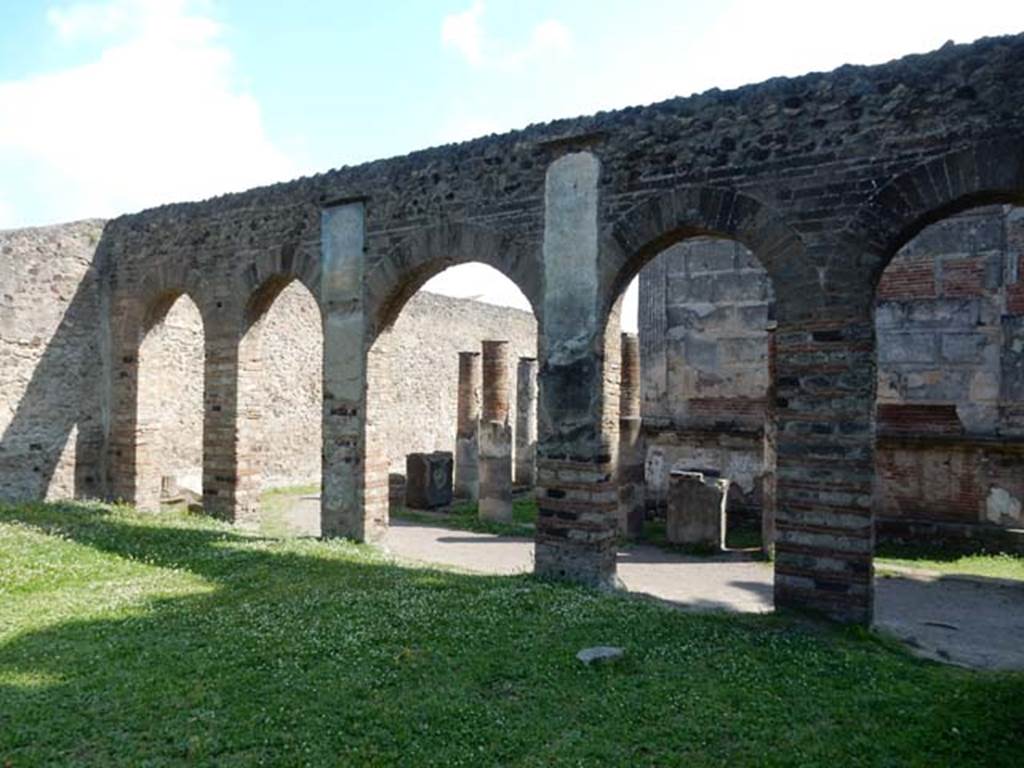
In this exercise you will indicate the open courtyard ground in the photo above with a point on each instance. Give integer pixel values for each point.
(129, 639)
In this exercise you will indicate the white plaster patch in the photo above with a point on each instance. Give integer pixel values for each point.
(570, 246)
(1002, 507)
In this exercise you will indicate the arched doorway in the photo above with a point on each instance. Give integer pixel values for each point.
(169, 415)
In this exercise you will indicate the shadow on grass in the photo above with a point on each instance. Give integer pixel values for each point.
(325, 653)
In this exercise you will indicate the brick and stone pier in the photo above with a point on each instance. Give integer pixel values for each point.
(526, 422)
(467, 447)
(630, 472)
(495, 436)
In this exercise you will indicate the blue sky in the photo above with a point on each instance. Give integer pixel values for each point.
(109, 106)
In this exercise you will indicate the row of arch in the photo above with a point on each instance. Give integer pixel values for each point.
(838, 276)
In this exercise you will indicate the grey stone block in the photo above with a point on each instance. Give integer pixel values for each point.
(696, 509)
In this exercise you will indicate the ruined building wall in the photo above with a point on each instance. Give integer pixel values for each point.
(421, 368)
(52, 335)
(53, 382)
(705, 370)
(950, 326)
(950, 329)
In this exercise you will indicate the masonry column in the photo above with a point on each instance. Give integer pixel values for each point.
(630, 469)
(495, 436)
(824, 411)
(126, 453)
(526, 422)
(351, 504)
(576, 496)
(467, 472)
(769, 460)
(230, 479)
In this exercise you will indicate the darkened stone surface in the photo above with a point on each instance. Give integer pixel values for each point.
(428, 480)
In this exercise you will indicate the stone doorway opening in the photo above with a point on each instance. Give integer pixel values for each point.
(169, 421)
(280, 396)
(450, 360)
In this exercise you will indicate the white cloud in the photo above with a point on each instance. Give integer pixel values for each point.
(465, 33)
(462, 31)
(157, 117)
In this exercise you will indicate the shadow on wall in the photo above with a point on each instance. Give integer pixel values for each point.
(54, 429)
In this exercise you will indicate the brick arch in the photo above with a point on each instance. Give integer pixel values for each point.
(430, 250)
(649, 228)
(146, 305)
(983, 174)
(263, 296)
(270, 272)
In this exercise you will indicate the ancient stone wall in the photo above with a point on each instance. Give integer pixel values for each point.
(53, 330)
(825, 177)
(52, 376)
(422, 368)
(705, 367)
(949, 382)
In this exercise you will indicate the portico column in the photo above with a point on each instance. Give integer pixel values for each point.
(467, 471)
(495, 436)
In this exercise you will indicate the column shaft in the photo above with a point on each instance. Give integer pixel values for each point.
(630, 470)
(467, 469)
(495, 436)
(526, 422)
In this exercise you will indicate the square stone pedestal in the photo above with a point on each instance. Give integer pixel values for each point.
(428, 480)
(696, 509)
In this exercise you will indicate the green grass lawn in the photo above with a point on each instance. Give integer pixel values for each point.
(130, 639)
(945, 559)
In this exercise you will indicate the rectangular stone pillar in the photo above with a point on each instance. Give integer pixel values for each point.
(467, 448)
(768, 474)
(696, 510)
(495, 436)
(123, 446)
(630, 469)
(526, 422)
(577, 500)
(824, 405)
(354, 498)
(230, 490)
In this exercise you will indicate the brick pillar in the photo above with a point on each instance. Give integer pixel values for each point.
(230, 472)
(824, 406)
(495, 436)
(630, 468)
(768, 474)
(577, 500)
(124, 449)
(526, 422)
(354, 497)
(467, 470)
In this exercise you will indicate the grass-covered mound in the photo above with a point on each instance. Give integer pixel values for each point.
(128, 639)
